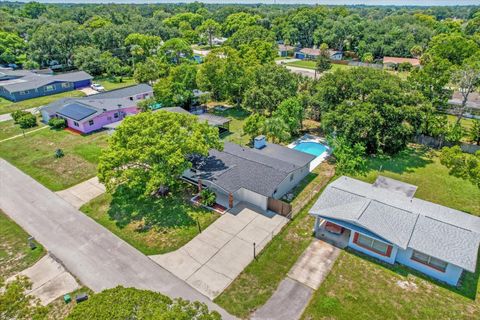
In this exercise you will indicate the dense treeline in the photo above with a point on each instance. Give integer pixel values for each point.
(363, 110)
(37, 34)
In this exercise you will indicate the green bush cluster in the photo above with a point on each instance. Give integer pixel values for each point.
(57, 123)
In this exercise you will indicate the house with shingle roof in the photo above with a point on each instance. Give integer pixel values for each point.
(87, 114)
(384, 220)
(18, 85)
(259, 176)
(312, 54)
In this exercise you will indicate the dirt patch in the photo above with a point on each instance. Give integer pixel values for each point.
(407, 285)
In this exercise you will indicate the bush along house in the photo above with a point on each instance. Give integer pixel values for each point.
(94, 112)
(384, 220)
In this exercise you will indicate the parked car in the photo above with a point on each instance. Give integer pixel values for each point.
(97, 87)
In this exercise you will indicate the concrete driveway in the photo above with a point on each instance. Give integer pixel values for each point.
(49, 280)
(83, 192)
(94, 255)
(213, 259)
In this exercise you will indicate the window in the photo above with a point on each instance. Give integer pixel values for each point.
(90, 123)
(49, 88)
(372, 244)
(75, 123)
(115, 115)
(23, 92)
(65, 85)
(429, 261)
(291, 177)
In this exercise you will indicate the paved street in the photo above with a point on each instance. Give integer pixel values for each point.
(98, 258)
(213, 259)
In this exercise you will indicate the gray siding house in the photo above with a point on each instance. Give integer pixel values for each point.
(384, 220)
(253, 175)
(18, 85)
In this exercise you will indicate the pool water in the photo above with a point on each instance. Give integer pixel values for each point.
(314, 148)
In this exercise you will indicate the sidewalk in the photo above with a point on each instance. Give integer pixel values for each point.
(294, 292)
(83, 192)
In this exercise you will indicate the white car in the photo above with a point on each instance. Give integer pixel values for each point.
(97, 87)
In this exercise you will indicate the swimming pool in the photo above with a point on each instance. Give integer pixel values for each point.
(314, 148)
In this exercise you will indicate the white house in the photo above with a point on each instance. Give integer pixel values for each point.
(258, 175)
(384, 220)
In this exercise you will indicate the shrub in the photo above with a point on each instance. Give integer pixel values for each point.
(57, 123)
(208, 197)
(59, 153)
(27, 121)
(16, 115)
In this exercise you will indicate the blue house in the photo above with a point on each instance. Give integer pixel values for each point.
(18, 85)
(384, 220)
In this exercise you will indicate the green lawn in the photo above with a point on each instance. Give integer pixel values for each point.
(15, 253)
(309, 64)
(237, 116)
(153, 226)
(359, 287)
(256, 284)
(7, 106)
(421, 167)
(9, 129)
(108, 84)
(34, 154)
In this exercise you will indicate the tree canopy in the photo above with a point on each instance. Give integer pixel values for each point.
(150, 151)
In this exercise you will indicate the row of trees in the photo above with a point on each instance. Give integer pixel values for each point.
(37, 34)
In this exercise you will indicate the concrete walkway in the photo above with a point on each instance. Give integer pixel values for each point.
(8, 116)
(213, 259)
(94, 255)
(294, 292)
(49, 280)
(83, 192)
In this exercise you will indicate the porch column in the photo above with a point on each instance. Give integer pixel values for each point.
(199, 183)
(230, 200)
(317, 224)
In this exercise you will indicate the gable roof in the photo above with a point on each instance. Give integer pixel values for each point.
(31, 80)
(408, 222)
(238, 167)
(99, 103)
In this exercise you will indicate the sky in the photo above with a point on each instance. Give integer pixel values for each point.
(327, 2)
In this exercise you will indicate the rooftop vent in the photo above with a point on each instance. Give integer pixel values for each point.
(260, 142)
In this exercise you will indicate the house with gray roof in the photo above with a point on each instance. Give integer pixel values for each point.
(87, 114)
(259, 176)
(385, 220)
(18, 85)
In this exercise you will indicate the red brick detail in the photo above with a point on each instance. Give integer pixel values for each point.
(230, 200)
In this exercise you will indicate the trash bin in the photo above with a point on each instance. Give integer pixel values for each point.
(81, 297)
(67, 298)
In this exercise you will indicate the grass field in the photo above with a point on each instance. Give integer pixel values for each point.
(153, 226)
(359, 287)
(108, 84)
(15, 253)
(309, 64)
(237, 116)
(256, 284)
(422, 168)
(34, 154)
(9, 106)
(9, 129)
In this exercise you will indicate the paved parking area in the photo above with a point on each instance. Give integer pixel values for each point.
(49, 280)
(83, 192)
(213, 259)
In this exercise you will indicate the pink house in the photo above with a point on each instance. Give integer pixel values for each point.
(92, 113)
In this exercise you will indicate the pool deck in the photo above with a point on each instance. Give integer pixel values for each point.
(311, 138)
